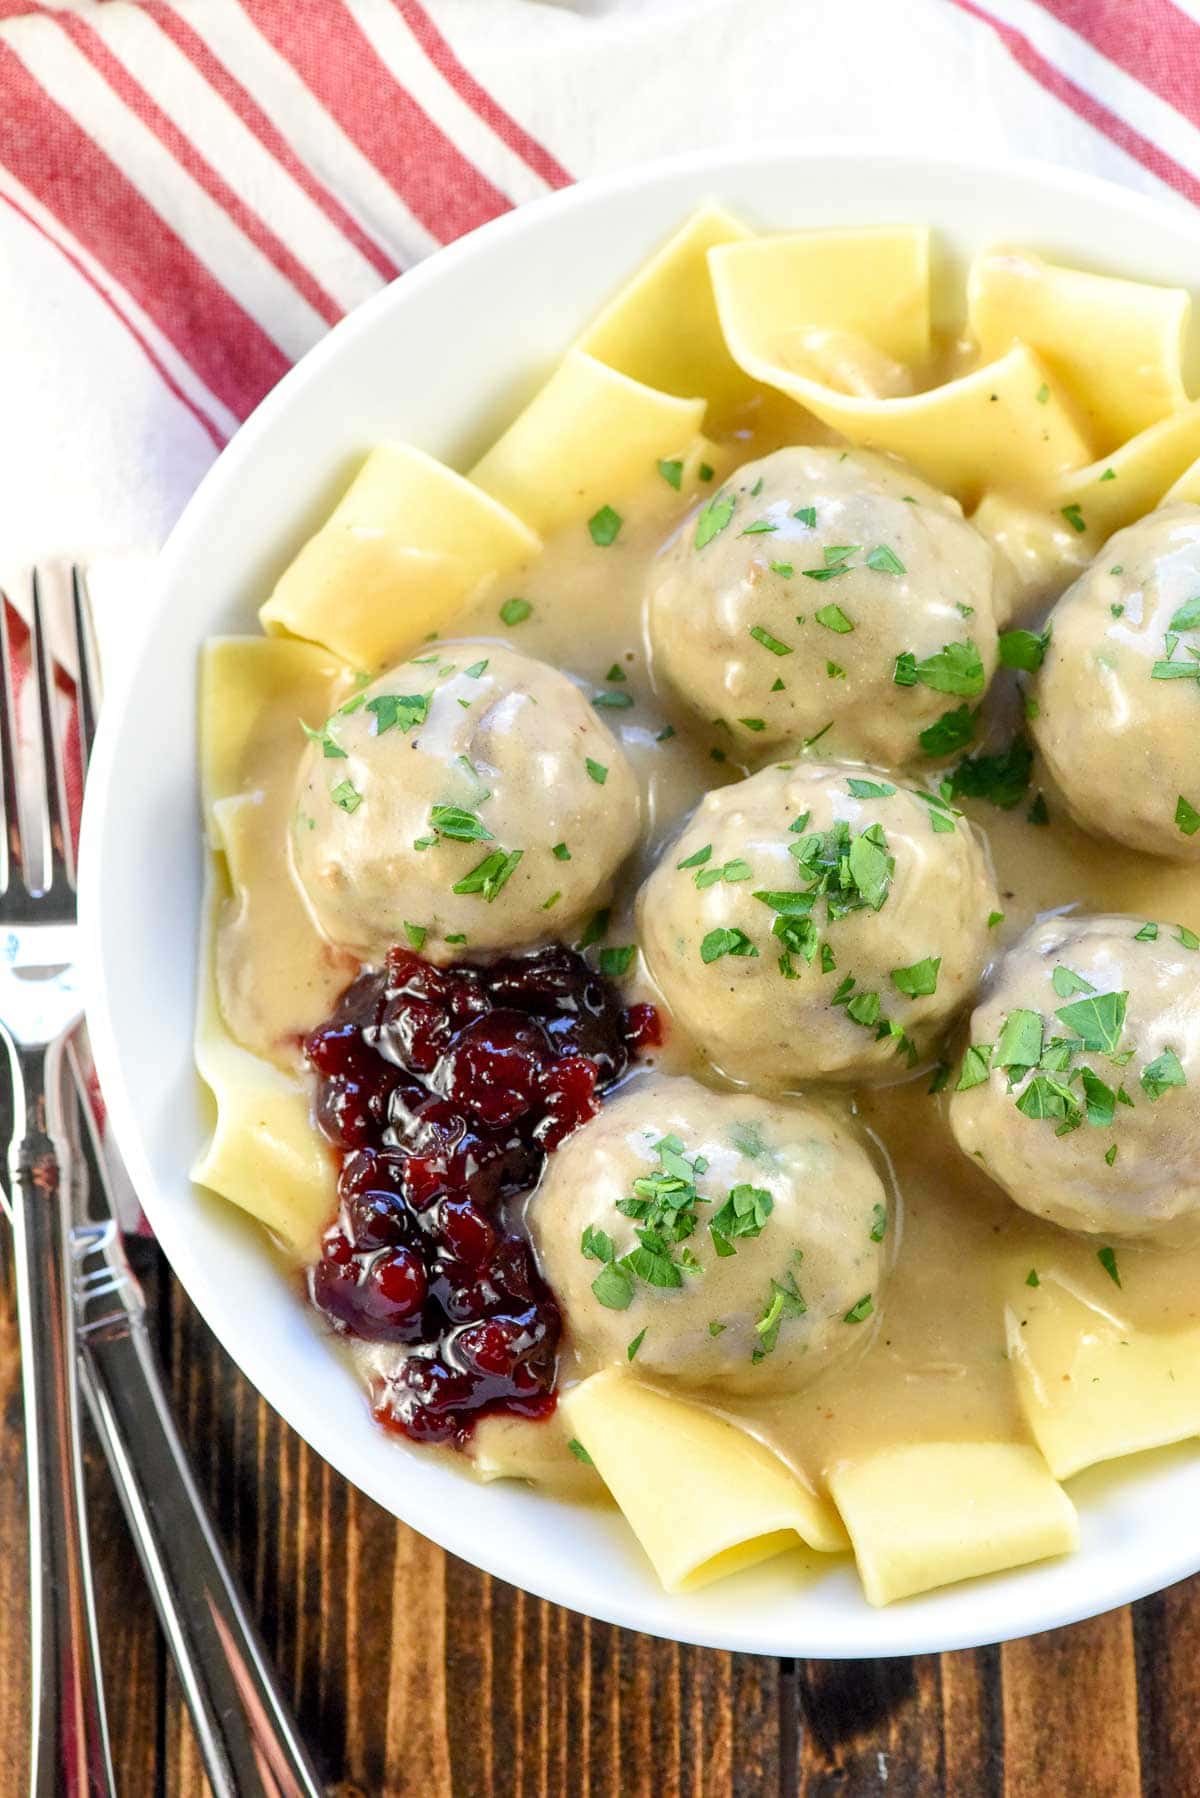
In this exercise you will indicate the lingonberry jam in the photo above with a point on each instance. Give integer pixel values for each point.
(444, 1089)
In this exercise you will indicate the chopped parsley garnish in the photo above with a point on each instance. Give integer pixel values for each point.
(331, 750)
(744, 1214)
(1175, 671)
(552, 901)
(561, 853)
(785, 570)
(416, 934)
(697, 859)
(1039, 811)
(515, 611)
(884, 560)
(785, 1301)
(1107, 1257)
(835, 671)
(595, 928)
(665, 734)
(706, 471)
(994, 918)
(1003, 778)
(346, 797)
(1097, 1020)
(953, 730)
(1187, 817)
(1019, 1045)
(1024, 649)
(607, 700)
(975, 1065)
(834, 619)
(617, 962)
(956, 668)
(671, 471)
(717, 1329)
(753, 723)
(858, 1313)
(1187, 939)
(1187, 618)
(1074, 518)
(878, 1228)
(941, 1078)
(1066, 981)
(817, 735)
(616, 672)
(762, 635)
(870, 789)
(714, 518)
(404, 709)
(580, 1453)
(757, 488)
(722, 942)
(919, 979)
(459, 937)
(463, 826)
(760, 528)
(636, 1344)
(1147, 934)
(807, 516)
(604, 527)
(1110, 1154)
(1161, 1074)
(489, 876)
(596, 771)
(777, 686)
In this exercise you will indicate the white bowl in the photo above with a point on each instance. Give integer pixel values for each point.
(442, 358)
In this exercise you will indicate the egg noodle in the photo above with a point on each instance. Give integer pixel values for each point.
(1007, 1354)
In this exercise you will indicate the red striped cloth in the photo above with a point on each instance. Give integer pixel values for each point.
(193, 192)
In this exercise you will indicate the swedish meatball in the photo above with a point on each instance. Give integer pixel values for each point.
(765, 1225)
(1080, 1092)
(818, 922)
(1118, 694)
(823, 588)
(460, 793)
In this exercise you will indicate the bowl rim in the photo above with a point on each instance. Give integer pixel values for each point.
(487, 1551)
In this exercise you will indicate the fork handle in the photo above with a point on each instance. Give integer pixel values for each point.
(70, 1754)
(247, 1737)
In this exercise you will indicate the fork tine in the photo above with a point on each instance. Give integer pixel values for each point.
(57, 859)
(10, 834)
(88, 691)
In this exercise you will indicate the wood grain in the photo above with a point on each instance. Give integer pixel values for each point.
(418, 1677)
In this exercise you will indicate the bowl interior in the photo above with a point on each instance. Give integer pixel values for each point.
(442, 358)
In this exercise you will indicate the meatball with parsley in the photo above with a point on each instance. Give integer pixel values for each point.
(818, 922)
(833, 595)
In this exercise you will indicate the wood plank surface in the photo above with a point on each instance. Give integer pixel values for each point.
(418, 1677)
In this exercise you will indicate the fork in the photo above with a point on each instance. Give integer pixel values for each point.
(39, 1005)
(247, 1738)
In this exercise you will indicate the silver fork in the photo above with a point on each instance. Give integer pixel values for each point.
(39, 1005)
(248, 1739)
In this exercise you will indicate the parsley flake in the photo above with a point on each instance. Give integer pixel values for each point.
(596, 771)
(671, 471)
(604, 527)
(515, 611)
(1107, 1257)
(714, 518)
(834, 619)
(346, 797)
(762, 635)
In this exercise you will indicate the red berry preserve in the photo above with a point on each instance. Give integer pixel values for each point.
(444, 1089)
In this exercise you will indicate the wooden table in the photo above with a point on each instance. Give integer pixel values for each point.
(417, 1677)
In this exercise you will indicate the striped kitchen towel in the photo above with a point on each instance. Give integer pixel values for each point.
(195, 190)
